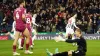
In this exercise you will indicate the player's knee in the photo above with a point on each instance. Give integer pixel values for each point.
(69, 53)
(27, 36)
(26, 33)
(15, 42)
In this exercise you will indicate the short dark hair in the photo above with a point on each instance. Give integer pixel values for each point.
(28, 10)
(21, 1)
(73, 13)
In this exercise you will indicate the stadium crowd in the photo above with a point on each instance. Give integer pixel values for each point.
(52, 15)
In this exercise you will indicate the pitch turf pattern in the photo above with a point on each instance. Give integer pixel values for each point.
(41, 46)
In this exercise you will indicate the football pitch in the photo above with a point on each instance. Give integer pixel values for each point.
(93, 47)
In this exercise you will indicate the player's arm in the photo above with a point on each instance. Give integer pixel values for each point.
(33, 19)
(24, 15)
(14, 15)
(57, 39)
(13, 26)
(74, 20)
(14, 18)
(75, 25)
(34, 23)
(71, 41)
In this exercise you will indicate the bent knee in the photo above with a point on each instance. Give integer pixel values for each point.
(69, 53)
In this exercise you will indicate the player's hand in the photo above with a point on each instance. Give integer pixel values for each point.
(58, 39)
(37, 25)
(77, 28)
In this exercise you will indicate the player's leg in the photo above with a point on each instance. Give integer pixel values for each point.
(68, 33)
(13, 35)
(61, 54)
(69, 53)
(73, 37)
(27, 35)
(21, 42)
(72, 33)
(35, 34)
(31, 42)
(78, 53)
(15, 43)
(75, 53)
(57, 54)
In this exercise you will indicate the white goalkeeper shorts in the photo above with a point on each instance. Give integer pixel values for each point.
(69, 31)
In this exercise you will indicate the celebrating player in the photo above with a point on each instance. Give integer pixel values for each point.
(19, 17)
(33, 29)
(82, 46)
(70, 26)
(29, 25)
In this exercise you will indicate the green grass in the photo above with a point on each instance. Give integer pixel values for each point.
(40, 47)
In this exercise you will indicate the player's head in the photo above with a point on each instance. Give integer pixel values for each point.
(75, 16)
(21, 3)
(78, 32)
(34, 15)
(28, 11)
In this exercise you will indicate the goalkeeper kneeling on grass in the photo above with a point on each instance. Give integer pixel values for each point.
(81, 49)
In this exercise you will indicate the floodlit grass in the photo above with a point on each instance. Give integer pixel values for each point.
(93, 47)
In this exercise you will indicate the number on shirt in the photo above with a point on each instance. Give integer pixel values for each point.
(28, 20)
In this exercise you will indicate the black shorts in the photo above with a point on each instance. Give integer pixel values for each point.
(78, 53)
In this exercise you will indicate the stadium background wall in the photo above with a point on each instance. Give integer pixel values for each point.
(50, 36)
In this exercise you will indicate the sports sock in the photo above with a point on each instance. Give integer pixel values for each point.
(14, 48)
(22, 42)
(30, 41)
(27, 46)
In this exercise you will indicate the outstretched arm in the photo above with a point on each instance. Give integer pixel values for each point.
(57, 39)
(71, 41)
(34, 23)
(75, 25)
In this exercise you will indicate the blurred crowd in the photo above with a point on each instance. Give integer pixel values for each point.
(52, 15)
